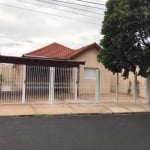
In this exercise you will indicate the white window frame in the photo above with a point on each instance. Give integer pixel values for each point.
(90, 73)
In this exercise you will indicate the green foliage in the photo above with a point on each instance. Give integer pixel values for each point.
(126, 41)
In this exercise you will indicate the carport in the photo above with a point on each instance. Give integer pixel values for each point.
(35, 77)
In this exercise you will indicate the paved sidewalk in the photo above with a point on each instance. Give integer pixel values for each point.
(73, 109)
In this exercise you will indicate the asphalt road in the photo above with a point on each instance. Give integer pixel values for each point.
(99, 132)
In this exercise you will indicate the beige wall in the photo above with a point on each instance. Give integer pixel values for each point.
(127, 86)
(90, 58)
(11, 76)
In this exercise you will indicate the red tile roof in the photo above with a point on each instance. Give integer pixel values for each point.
(58, 51)
(85, 48)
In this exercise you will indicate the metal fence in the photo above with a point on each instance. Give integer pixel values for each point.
(134, 89)
(23, 84)
(42, 84)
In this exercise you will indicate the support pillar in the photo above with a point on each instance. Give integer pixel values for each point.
(148, 90)
(135, 88)
(75, 84)
(23, 84)
(51, 84)
(117, 87)
(97, 86)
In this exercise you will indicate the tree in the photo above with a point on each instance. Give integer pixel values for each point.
(126, 41)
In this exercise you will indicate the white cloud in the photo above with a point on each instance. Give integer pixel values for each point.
(7, 17)
(22, 31)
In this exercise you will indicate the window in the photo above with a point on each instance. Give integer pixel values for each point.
(90, 73)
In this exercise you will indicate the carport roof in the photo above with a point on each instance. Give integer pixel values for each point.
(40, 61)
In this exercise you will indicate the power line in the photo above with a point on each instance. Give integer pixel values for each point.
(64, 17)
(91, 2)
(59, 9)
(65, 2)
(89, 11)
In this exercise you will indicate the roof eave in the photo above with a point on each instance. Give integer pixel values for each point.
(40, 61)
(94, 46)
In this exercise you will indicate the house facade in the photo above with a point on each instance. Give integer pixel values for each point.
(88, 54)
(56, 72)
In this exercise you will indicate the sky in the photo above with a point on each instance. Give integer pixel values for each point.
(26, 25)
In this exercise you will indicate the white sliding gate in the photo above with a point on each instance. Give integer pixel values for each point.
(23, 84)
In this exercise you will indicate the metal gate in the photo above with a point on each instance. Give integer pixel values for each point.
(10, 84)
(45, 85)
(28, 84)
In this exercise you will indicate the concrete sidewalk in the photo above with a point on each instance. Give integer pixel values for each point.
(72, 109)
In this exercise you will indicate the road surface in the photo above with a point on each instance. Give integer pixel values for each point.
(95, 132)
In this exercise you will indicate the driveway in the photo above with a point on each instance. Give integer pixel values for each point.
(90, 132)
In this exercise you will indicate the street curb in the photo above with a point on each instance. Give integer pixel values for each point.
(74, 114)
